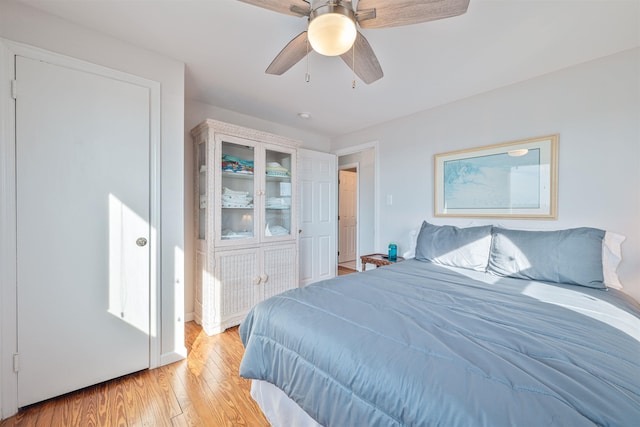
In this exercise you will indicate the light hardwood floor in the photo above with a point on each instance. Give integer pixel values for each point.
(344, 270)
(203, 390)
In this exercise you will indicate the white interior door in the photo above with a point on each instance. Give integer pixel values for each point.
(347, 215)
(318, 215)
(82, 185)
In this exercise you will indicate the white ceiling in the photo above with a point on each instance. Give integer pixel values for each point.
(226, 46)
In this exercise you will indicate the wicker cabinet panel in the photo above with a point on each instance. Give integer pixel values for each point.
(200, 272)
(237, 274)
(279, 269)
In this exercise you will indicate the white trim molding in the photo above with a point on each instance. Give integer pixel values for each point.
(8, 292)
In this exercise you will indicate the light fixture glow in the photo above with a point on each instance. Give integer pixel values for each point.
(518, 153)
(332, 30)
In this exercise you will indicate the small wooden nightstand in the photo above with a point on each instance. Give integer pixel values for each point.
(378, 260)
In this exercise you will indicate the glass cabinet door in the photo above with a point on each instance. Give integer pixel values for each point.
(277, 194)
(238, 189)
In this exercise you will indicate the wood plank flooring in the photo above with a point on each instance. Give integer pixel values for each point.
(344, 270)
(203, 390)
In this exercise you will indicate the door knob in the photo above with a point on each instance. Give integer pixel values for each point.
(141, 241)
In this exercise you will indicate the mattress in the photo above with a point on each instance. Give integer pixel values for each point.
(419, 344)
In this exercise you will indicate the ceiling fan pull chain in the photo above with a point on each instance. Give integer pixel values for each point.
(353, 62)
(307, 76)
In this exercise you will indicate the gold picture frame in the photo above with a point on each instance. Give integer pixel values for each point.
(517, 179)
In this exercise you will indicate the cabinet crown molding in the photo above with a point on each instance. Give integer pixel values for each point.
(243, 132)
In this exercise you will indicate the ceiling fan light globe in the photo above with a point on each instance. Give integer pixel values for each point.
(332, 34)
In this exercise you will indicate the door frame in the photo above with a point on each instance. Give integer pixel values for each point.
(355, 166)
(8, 224)
(373, 145)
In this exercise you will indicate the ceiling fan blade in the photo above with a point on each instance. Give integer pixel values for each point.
(367, 66)
(288, 7)
(292, 53)
(394, 13)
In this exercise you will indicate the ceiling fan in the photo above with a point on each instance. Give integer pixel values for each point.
(332, 31)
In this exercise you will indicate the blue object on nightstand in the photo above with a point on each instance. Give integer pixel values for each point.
(393, 252)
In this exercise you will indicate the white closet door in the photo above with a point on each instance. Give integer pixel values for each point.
(82, 149)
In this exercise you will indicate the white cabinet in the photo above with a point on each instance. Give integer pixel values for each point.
(247, 246)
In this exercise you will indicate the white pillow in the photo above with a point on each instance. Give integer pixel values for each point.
(611, 258)
(413, 239)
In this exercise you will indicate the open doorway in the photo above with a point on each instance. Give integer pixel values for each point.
(362, 158)
(347, 217)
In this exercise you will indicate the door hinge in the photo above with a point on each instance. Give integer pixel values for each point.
(14, 89)
(16, 362)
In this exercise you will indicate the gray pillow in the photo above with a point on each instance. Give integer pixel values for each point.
(564, 256)
(453, 246)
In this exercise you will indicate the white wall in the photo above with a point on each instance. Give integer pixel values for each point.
(195, 112)
(23, 24)
(594, 107)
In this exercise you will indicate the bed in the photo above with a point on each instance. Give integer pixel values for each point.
(475, 330)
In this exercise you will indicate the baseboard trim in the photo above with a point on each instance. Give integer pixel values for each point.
(173, 356)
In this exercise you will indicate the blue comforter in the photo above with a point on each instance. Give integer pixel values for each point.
(415, 344)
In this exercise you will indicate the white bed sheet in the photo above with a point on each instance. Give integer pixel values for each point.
(279, 409)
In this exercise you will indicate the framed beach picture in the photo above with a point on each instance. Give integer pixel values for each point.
(516, 180)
